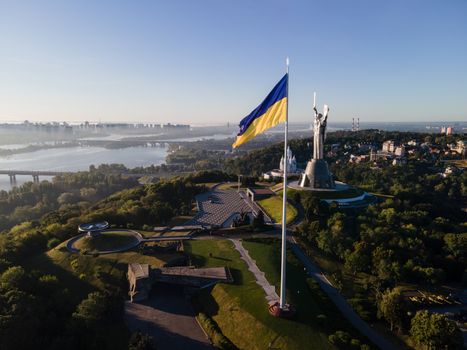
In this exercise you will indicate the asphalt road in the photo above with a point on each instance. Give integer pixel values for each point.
(339, 300)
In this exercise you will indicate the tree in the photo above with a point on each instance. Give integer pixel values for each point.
(358, 260)
(435, 331)
(13, 278)
(336, 239)
(92, 309)
(385, 265)
(141, 341)
(4, 264)
(391, 307)
(161, 213)
(456, 244)
(312, 206)
(21, 320)
(88, 192)
(297, 198)
(66, 198)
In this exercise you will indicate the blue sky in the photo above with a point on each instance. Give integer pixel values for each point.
(213, 61)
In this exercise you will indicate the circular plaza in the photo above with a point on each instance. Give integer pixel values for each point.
(98, 238)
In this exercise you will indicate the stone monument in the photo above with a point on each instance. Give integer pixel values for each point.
(317, 175)
(318, 180)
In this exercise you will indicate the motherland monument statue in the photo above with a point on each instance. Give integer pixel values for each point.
(319, 130)
(317, 175)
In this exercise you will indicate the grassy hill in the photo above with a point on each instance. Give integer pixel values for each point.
(240, 309)
(106, 241)
(82, 274)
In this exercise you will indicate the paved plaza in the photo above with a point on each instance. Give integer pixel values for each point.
(219, 207)
(167, 316)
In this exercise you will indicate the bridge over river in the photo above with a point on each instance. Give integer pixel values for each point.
(36, 173)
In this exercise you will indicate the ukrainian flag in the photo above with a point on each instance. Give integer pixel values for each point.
(272, 111)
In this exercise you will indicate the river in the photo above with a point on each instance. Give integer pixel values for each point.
(76, 159)
(80, 158)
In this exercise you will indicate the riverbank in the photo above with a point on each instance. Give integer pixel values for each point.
(78, 159)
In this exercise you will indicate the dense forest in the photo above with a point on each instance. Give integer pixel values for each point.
(38, 304)
(66, 192)
(416, 234)
(417, 238)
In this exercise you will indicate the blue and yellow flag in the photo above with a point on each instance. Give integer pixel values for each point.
(272, 111)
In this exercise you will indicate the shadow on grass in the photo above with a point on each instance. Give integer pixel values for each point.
(237, 276)
(169, 299)
(78, 288)
(203, 301)
(303, 292)
(220, 258)
(197, 260)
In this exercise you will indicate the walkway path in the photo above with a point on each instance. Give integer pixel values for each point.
(270, 291)
(70, 245)
(339, 300)
(324, 283)
(271, 294)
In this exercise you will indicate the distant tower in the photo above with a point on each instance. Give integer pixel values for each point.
(353, 124)
(358, 124)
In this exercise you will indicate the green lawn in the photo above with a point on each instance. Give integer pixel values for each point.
(228, 186)
(311, 301)
(208, 185)
(106, 241)
(273, 206)
(176, 233)
(277, 187)
(82, 274)
(240, 309)
(179, 220)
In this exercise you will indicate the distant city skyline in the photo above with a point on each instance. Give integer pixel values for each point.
(212, 62)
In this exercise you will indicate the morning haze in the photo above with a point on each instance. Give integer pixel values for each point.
(233, 175)
(196, 62)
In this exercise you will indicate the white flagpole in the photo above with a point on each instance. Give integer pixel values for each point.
(284, 198)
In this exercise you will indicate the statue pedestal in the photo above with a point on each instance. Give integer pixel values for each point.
(275, 310)
(317, 175)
